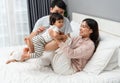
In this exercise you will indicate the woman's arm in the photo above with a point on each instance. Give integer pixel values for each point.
(84, 50)
(53, 45)
(56, 35)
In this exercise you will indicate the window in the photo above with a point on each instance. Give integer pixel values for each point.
(13, 22)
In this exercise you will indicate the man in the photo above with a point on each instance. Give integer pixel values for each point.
(43, 23)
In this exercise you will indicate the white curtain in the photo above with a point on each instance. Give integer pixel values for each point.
(13, 22)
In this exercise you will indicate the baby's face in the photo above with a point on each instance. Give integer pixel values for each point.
(59, 23)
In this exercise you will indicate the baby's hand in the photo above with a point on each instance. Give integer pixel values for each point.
(65, 38)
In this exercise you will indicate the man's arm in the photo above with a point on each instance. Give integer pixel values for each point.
(34, 33)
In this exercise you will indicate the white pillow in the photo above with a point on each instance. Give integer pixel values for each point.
(106, 55)
(109, 41)
(100, 60)
(113, 63)
(119, 58)
(76, 29)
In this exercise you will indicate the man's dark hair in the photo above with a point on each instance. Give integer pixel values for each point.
(60, 3)
(54, 17)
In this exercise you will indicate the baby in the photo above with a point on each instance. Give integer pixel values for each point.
(36, 43)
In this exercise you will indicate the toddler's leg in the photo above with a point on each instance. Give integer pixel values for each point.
(25, 50)
(30, 36)
(30, 45)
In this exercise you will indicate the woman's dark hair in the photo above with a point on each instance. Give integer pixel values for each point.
(60, 3)
(54, 17)
(94, 36)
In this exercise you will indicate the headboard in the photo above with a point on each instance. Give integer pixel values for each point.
(105, 25)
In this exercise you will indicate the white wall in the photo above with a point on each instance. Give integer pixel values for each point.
(108, 9)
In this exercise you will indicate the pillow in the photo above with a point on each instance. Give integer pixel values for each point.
(100, 60)
(106, 55)
(109, 41)
(113, 61)
(119, 59)
(76, 28)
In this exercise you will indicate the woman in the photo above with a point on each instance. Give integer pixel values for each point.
(73, 58)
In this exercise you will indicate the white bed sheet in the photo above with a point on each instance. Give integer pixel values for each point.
(29, 72)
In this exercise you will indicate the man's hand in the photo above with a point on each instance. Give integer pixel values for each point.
(34, 33)
(40, 29)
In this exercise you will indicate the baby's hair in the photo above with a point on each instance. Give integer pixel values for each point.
(54, 17)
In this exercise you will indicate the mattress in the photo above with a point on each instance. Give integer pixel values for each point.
(31, 72)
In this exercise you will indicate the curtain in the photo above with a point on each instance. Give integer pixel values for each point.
(13, 22)
(36, 10)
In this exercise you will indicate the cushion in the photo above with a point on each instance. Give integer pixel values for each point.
(76, 28)
(100, 60)
(109, 41)
(113, 61)
(106, 55)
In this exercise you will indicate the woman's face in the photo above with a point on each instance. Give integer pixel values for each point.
(85, 30)
(57, 10)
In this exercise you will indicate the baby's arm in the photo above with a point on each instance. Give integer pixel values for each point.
(56, 35)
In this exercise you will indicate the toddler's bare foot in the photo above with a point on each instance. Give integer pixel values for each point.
(29, 44)
(25, 39)
(12, 60)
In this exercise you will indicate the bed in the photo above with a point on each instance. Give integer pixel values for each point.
(98, 70)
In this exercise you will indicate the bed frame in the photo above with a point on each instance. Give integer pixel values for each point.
(105, 25)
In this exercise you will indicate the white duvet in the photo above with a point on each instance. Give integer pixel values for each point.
(31, 72)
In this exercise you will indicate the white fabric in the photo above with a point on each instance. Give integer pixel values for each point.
(13, 22)
(46, 58)
(61, 64)
(106, 55)
(46, 34)
(100, 60)
(30, 72)
(76, 29)
(109, 41)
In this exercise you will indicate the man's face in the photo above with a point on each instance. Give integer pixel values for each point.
(57, 10)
